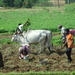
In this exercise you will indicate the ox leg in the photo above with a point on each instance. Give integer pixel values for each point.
(37, 48)
(41, 47)
(42, 42)
(49, 47)
(44, 49)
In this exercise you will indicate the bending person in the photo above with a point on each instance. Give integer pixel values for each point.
(24, 52)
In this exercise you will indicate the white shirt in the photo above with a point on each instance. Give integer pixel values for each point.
(62, 31)
(20, 27)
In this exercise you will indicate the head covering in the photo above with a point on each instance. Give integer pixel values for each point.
(59, 26)
(67, 30)
(19, 24)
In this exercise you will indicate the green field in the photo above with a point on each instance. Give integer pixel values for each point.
(41, 73)
(40, 18)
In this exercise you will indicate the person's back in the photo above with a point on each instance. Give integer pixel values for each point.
(63, 31)
(20, 27)
(24, 51)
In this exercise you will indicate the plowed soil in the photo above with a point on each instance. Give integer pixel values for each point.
(57, 60)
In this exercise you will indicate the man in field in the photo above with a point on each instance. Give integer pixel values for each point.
(62, 33)
(20, 27)
(70, 44)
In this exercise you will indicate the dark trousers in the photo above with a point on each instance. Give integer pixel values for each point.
(68, 53)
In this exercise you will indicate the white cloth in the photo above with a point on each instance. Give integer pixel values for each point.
(20, 27)
(62, 31)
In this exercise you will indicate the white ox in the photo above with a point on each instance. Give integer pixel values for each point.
(42, 37)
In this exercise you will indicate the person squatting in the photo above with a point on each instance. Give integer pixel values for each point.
(24, 52)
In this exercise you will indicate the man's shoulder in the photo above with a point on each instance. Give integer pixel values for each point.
(63, 28)
(70, 35)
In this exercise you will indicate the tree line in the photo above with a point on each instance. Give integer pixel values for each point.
(17, 3)
(25, 3)
(69, 1)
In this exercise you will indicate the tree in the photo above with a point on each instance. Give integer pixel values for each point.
(54, 3)
(18, 3)
(11, 3)
(69, 1)
(5, 3)
(0, 3)
(58, 4)
(27, 4)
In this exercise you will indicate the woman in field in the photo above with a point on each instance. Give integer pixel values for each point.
(70, 44)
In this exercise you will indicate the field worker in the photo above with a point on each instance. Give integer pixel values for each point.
(70, 44)
(24, 52)
(19, 29)
(62, 33)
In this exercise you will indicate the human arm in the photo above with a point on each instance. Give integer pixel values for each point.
(26, 22)
(64, 45)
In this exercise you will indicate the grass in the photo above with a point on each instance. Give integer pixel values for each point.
(40, 19)
(41, 73)
(6, 41)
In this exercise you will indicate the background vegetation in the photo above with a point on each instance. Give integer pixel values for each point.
(20, 3)
(41, 73)
(30, 3)
(40, 18)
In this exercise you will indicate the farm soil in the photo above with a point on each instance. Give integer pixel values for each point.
(57, 60)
